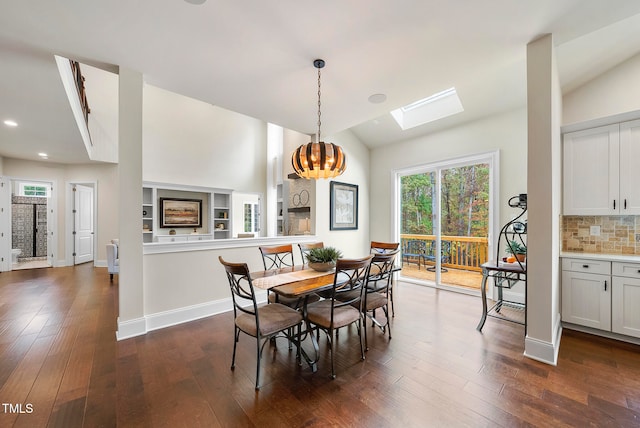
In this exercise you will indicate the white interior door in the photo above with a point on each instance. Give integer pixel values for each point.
(83, 223)
(5, 225)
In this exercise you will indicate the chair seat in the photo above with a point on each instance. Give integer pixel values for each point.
(273, 318)
(375, 301)
(320, 313)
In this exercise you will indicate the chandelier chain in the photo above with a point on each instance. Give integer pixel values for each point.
(319, 113)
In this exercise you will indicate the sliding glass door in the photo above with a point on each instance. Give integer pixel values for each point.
(445, 221)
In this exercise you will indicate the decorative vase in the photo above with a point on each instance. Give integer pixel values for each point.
(322, 267)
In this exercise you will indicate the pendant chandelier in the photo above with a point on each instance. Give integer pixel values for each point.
(319, 159)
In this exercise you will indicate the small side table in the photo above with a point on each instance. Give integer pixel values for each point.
(505, 275)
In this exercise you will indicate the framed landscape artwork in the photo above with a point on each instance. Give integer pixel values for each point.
(180, 212)
(344, 206)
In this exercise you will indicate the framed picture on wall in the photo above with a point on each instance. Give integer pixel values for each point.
(180, 212)
(343, 206)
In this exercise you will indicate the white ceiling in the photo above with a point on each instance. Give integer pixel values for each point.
(256, 58)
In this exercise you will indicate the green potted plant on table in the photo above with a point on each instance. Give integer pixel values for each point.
(323, 259)
(517, 250)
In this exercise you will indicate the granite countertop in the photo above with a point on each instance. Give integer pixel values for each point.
(633, 258)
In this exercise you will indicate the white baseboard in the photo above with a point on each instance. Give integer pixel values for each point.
(131, 328)
(159, 320)
(189, 313)
(545, 352)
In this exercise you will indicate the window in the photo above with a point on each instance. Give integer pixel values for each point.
(251, 217)
(437, 106)
(35, 190)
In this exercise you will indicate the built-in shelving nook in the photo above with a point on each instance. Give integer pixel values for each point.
(181, 213)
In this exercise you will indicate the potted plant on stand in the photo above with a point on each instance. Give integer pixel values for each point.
(517, 250)
(323, 259)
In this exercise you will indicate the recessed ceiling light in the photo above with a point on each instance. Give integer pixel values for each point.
(11, 123)
(43, 155)
(195, 1)
(377, 98)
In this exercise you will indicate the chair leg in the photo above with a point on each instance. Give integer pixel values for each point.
(393, 310)
(236, 333)
(361, 326)
(258, 357)
(366, 342)
(299, 338)
(111, 277)
(386, 314)
(330, 337)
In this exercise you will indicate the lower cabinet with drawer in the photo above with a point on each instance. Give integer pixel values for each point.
(601, 294)
(625, 299)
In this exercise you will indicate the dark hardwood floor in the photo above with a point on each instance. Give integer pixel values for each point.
(61, 366)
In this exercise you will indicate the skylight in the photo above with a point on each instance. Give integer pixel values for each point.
(434, 107)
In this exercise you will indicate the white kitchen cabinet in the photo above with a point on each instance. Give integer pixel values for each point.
(601, 294)
(630, 168)
(586, 296)
(591, 171)
(625, 299)
(601, 169)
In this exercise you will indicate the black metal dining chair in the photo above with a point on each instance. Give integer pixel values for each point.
(306, 247)
(378, 291)
(386, 247)
(343, 306)
(383, 247)
(277, 257)
(264, 322)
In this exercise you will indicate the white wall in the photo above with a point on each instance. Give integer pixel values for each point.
(505, 132)
(352, 243)
(614, 92)
(191, 142)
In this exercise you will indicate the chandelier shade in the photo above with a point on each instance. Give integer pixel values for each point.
(319, 159)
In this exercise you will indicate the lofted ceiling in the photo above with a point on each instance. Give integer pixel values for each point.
(256, 58)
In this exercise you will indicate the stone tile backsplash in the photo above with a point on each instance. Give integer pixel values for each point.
(618, 234)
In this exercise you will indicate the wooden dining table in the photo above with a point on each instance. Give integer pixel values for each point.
(298, 281)
(295, 281)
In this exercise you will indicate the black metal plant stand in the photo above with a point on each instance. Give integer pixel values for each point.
(507, 275)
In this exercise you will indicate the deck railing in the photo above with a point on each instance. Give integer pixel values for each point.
(459, 252)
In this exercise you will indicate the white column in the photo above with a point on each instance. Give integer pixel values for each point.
(131, 293)
(544, 104)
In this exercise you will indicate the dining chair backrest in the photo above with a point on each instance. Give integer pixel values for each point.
(350, 279)
(277, 257)
(242, 291)
(382, 265)
(306, 247)
(383, 247)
